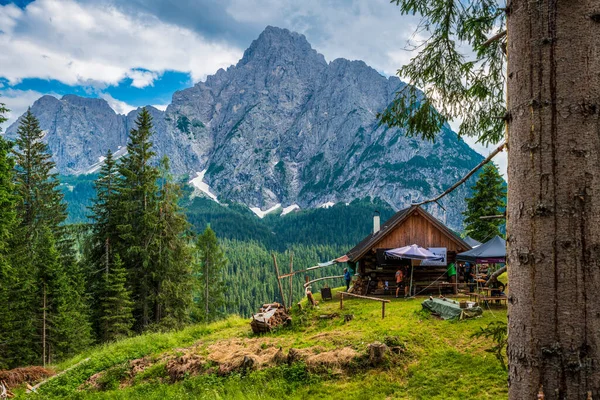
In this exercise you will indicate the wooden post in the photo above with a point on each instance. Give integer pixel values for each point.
(410, 288)
(291, 277)
(382, 310)
(341, 300)
(278, 279)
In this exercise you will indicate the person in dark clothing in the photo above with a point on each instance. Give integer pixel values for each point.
(469, 276)
(347, 278)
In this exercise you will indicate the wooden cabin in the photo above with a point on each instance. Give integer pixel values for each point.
(413, 225)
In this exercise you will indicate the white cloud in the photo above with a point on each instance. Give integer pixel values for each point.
(141, 79)
(373, 31)
(95, 43)
(17, 101)
(120, 107)
(161, 107)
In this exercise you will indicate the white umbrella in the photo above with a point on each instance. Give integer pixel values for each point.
(413, 252)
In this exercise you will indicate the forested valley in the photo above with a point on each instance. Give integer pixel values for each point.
(95, 258)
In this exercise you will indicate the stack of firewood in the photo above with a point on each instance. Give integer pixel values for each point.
(360, 286)
(268, 317)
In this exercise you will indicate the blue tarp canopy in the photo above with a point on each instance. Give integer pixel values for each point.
(472, 242)
(492, 251)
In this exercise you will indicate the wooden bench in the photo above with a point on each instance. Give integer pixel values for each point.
(499, 299)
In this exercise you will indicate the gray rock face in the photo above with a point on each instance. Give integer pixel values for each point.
(281, 126)
(78, 130)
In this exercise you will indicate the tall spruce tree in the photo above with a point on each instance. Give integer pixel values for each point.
(173, 283)
(138, 218)
(209, 270)
(489, 198)
(51, 286)
(8, 315)
(116, 318)
(40, 200)
(104, 236)
(64, 329)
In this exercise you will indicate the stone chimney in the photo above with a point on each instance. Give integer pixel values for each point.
(376, 222)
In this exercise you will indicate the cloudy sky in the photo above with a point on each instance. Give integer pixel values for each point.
(138, 52)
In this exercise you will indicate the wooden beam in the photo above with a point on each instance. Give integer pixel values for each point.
(278, 279)
(320, 279)
(291, 277)
(364, 297)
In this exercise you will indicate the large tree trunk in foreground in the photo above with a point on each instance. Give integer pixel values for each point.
(554, 198)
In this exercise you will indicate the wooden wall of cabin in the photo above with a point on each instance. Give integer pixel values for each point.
(418, 230)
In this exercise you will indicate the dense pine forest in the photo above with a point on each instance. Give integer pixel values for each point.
(95, 258)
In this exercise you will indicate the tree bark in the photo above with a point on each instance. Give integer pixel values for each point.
(553, 219)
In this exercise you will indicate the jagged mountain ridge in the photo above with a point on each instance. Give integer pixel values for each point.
(281, 126)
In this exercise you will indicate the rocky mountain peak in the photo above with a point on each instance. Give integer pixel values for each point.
(277, 44)
(282, 126)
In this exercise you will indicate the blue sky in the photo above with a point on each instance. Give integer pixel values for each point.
(138, 52)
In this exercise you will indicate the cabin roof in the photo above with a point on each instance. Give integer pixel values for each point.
(395, 221)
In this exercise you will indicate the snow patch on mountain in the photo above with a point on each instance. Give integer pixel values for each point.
(327, 205)
(289, 209)
(202, 187)
(261, 213)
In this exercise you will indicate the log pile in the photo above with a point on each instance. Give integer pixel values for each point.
(268, 317)
(360, 286)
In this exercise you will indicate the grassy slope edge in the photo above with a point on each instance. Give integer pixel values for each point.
(440, 360)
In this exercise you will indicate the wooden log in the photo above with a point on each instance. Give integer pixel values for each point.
(495, 275)
(377, 353)
(320, 279)
(341, 301)
(366, 297)
(382, 310)
(278, 279)
(290, 300)
(311, 298)
(35, 387)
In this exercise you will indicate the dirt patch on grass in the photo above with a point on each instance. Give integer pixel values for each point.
(236, 354)
(225, 357)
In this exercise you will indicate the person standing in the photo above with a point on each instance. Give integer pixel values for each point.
(399, 281)
(469, 276)
(452, 276)
(347, 278)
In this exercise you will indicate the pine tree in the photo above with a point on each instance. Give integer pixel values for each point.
(40, 200)
(104, 235)
(116, 317)
(50, 287)
(489, 198)
(62, 314)
(173, 283)
(137, 217)
(8, 316)
(210, 266)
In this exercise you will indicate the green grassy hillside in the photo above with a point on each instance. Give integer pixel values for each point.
(434, 359)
